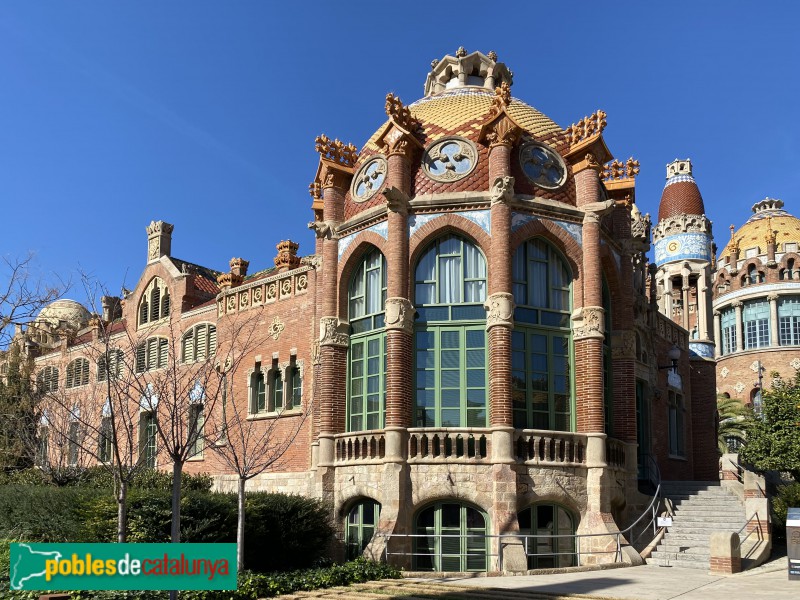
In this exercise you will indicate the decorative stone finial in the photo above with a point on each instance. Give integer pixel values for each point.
(461, 52)
(734, 243)
(315, 189)
(434, 62)
(239, 266)
(617, 170)
(287, 258)
(475, 69)
(772, 235)
(587, 127)
(159, 240)
(679, 167)
(400, 114)
(492, 55)
(336, 151)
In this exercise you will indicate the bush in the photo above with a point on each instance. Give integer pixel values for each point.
(788, 496)
(44, 514)
(284, 532)
(101, 477)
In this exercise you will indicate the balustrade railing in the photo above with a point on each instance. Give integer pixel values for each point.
(460, 445)
(615, 453)
(361, 446)
(539, 447)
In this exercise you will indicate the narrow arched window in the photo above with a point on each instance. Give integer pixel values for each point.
(542, 355)
(366, 299)
(450, 360)
(362, 520)
(199, 343)
(110, 365)
(154, 304)
(47, 379)
(152, 354)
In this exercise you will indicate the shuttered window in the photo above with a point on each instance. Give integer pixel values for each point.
(77, 373)
(154, 304)
(199, 343)
(110, 364)
(47, 379)
(152, 354)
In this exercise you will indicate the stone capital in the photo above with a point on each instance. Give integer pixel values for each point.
(502, 191)
(396, 200)
(773, 297)
(588, 323)
(737, 304)
(499, 310)
(334, 332)
(399, 315)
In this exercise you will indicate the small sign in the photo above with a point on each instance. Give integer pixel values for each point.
(664, 521)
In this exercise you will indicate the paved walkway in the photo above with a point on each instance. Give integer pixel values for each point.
(653, 583)
(632, 583)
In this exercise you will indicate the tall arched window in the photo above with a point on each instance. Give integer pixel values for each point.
(110, 364)
(450, 338)
(152, 354)
(154, 304)
(47, 379)
(367, 359)
(541, 343)
(547, 520)
(361, 523)
(455, 538)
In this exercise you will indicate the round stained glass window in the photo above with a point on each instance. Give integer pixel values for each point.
(542, 166)
(369, 179)
(450, 159)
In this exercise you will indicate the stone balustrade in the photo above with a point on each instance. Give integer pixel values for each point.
(615, 453)
(452, 445)
(364, 447)
(540, 447)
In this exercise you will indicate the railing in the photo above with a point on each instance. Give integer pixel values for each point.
(448, 445)
(756, 530)
(615, 453)
(360, 447)
(540, 447)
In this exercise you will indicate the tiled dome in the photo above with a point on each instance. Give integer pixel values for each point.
(681, 194)
(768, 214)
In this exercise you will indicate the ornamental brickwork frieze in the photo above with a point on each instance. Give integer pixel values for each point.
(333, 332)
(399, 314)
(499, 310)
(623, 345)
(682, 223)
(265, 291)
(588, 323)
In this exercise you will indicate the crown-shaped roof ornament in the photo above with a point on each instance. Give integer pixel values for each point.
(467, 69)
(679, 167)
(767, 204)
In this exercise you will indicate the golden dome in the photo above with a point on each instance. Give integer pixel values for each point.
(768, 215)
(462, 111)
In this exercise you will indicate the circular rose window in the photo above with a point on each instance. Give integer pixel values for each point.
(450, 159)
(369, 179)
(542, 166)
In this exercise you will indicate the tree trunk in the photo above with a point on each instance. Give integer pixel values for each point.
(240, 527)
(177, 469)
(122, 512)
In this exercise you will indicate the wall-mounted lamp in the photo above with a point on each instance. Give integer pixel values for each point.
(674, 356)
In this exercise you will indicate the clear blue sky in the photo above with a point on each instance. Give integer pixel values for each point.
(203, 114)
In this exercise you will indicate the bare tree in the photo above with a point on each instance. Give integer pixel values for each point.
(250, 447)
(22, 296)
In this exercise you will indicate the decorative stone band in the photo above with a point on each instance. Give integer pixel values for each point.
(399, 315)
(623, 345)
(499, 310)
(588, 323)
(682, 223)
(502, 189)
(333, 332)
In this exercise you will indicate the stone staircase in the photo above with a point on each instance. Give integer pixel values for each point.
(701, 508)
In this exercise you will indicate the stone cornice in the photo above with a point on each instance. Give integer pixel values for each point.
(682, 223)
(757, 291)
(263, 280)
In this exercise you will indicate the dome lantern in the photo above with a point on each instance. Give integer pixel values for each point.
(476, 69)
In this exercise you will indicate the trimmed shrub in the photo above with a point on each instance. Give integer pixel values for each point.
(101, 477)
(284, 532)
(43, 513)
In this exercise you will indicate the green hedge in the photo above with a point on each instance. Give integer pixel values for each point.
(101, 477)
(282, 532)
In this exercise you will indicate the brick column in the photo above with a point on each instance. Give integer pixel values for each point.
(739, 329)
(623, 340)
(399, 311)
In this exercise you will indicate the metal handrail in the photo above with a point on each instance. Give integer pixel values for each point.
(739, 471)
(758, 529)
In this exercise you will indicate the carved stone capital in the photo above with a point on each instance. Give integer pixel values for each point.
(623, 345)
(396, 200)
(773, 297)
(333, 332)
(737, 304)
(502, 189)
(499, 310)
(503, 132)
(588, 323)
(336, 178)
(399, 315)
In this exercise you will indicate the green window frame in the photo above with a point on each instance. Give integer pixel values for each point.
(367, 383)
(362, 520)
(451, 387)
(106, 440)
(366, 362)
(455, 538)
(195, 437)
(549, 519)
(295, 387)
(258, 392)
(542, 351)
(147, 439)
(676, 419)
(728, 326)
(789, 320)
(276, 390)
(542, 381)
